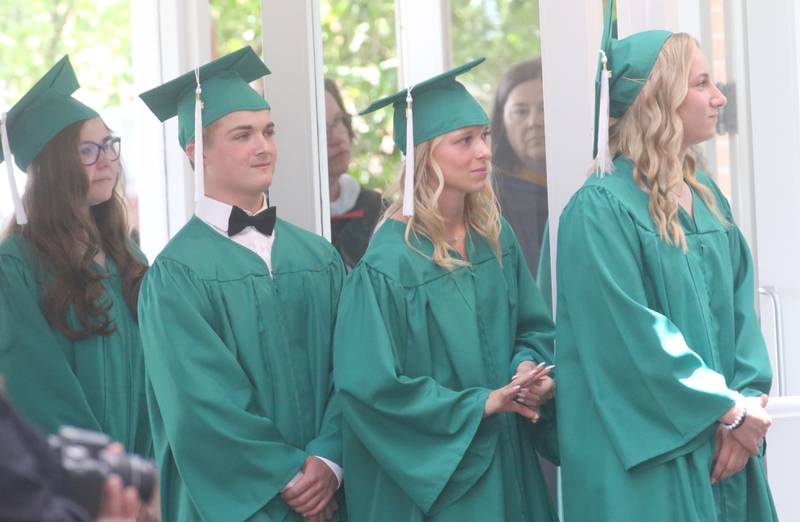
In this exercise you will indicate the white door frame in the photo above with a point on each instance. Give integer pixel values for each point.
(165, 45)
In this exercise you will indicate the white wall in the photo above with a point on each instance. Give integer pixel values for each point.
(293, 51)
(571, 33)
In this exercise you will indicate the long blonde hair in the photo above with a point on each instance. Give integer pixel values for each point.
(650, 134)
(481, 212)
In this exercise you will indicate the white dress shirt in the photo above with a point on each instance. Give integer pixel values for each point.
(215, 214)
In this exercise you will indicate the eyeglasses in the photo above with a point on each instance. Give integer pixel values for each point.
(90, 151)
(340, 121)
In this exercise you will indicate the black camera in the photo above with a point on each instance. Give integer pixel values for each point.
(87, 464)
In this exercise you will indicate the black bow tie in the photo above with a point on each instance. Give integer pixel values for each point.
(264, 221)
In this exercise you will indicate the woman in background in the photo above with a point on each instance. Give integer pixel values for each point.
(354, 209)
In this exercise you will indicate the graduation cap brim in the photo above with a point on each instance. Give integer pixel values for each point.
(440, 104)
(44, 111)
(164, 99)
(60, 78)
(420, 88)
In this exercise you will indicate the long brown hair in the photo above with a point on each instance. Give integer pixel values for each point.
(66, 240)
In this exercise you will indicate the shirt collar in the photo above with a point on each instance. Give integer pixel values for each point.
(349, 189)
(216, 213)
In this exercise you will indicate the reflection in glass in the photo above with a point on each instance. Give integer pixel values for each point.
(359, 46)
(354, 209)
(518, 152)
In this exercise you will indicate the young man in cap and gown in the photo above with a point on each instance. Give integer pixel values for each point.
(237, 318)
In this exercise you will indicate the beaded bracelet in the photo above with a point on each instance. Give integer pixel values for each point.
(738, 421)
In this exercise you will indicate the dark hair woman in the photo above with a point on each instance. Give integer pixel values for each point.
(518, 153)
(69, 339)
(354, 209)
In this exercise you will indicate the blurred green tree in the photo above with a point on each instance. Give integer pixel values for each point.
(34, 34)
(359, 53)
(504, 31)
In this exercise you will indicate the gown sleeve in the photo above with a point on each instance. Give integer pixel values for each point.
(328, 443)
(40, 381)
(231, 460)
(543, 276)
(535, 338)
(430, 439)
(535, 330)
(653, 393)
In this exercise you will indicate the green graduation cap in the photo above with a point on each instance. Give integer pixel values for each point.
(43, 112)
(429, 109)
(623, 68)
(225, 88)
(440, 104)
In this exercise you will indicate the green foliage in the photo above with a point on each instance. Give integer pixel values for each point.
(360, 54)
(504, 31)
(235, 23)
(96, 34)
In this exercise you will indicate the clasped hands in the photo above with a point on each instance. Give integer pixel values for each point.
(313, 495)
(531, 387)
(735, 447)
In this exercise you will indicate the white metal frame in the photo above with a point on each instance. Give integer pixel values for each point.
(292, 37)
(165, 45)
(774, 83)
(419, 23)
(570, 39)
(742, 188)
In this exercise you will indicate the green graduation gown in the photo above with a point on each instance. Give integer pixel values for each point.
(417, 350)
(96, 383)
(651, 343)
(239, 370)
(543, 278)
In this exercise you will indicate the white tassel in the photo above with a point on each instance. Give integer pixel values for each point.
(19, 210)
(408, 189)
(199, 171)
(603, 162)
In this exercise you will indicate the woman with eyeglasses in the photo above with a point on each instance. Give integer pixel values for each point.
(354, 209)
(70, 352)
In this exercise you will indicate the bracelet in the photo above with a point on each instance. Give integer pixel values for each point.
(738, 421)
